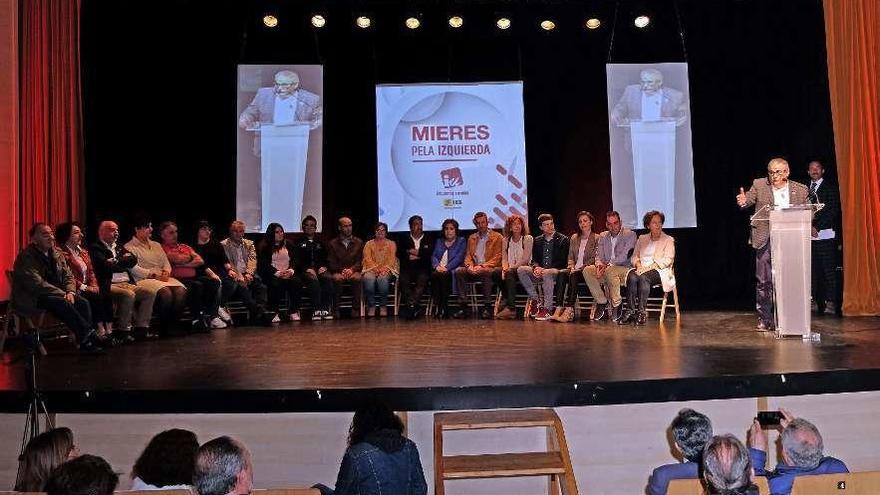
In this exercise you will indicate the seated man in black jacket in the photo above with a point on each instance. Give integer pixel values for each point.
(414, 252)
(310, 260)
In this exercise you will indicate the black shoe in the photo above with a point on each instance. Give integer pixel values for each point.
(462, 314)
(123, 337)
(417, 312)
(603, 312)
(90, 344)
(199, 325)
(641, 318)
(144, 333)
(626, 317)
(617, 313)
(106, 341)
(442, 313)
(486, 314)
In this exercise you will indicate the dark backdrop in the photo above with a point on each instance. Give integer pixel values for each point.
(159, 82)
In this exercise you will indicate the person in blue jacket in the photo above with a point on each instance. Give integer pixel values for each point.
(449, 251)
(379, 459)
(690, 431)
(801, 454)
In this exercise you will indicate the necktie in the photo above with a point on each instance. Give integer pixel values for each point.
(813, 197)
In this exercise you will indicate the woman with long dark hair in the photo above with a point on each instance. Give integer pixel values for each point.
(379, 459)
(275, 264)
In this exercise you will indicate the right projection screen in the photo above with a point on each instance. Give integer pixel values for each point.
(650, 132)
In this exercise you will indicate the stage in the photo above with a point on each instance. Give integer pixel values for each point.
(452, 364)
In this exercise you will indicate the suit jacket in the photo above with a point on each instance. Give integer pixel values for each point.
(308, 254)
(559, 257)
(29, 279)
(664, 257)
(493, 250)
(262, 109)
(829, 216)
(623, 247)
(630, 105)
(106, 262)
(80, 278)
(760, 195)
(589, 251)
(425, 247)
(660, 478)
(339, 257)
(250, 250)
(782, 478)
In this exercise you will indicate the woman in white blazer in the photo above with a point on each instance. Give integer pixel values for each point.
(652, 261)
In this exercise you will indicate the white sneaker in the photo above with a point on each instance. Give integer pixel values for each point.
(294, 316)
(276, 319)
(224, 315)
(216, 322)
(316, 315)
(327, 315)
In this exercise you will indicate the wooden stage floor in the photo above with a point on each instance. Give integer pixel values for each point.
(445, 364)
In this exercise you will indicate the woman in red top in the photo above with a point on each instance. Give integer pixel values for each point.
(68, 237)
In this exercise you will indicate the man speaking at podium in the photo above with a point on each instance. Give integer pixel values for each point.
(774, 192)
(283, 104)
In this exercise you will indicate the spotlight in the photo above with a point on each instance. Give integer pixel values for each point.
(363, 22)
(456, 21)
(413, 22)
(593, 23)
(548, 25)
(642, 21)
(318, 21)
(503, 23)
(270, 20)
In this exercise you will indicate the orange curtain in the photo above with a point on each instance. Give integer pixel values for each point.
(852, 35)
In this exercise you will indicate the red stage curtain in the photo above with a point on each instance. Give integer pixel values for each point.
(852, 34)
(51, 139)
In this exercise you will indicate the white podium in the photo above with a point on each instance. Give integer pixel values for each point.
(284, 151)
(790, 233)
(653, 152)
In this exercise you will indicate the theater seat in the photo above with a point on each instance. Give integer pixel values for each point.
(838, 484)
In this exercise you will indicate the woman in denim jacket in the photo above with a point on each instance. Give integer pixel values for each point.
(379, 459)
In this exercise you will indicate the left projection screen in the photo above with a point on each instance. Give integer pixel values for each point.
(280, 140)
(450, 150)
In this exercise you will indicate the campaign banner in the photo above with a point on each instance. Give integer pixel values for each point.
(450, 150)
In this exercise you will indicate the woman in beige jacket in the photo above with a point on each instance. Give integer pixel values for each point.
(652, 261)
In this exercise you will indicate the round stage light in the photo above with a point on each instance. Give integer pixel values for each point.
(593, 23)
(413, 22)
(503, 23)
(548, 25)
(642, 21)
(270, 21)
(318, 21)
(363, 22)
(456, 21)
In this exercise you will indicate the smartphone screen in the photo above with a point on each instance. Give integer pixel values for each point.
(769, 418)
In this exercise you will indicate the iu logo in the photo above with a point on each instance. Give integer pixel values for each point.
(451, 177)
(841, 485)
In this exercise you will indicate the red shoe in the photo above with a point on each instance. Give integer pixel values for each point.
(534, 307)
(543, 315)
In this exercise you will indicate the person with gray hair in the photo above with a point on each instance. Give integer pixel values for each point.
(727, 469)
(690, 432)
(223, 467)
(802, 453)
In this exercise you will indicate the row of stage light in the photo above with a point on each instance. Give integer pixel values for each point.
(455, 22)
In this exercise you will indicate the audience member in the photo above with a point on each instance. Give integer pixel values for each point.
(379, 267)
(153, 273)
(243, 281)
(414, 251)
(549, 257)
(202, 284)
(310, 261)
(801, 454)
(42, 455)
(41, 281)
(379, 459)
(612, 266)
(581, 254)
(344, 264)
(727, 469)
(652, 261)
(69, 236)
(690, 433)
(482, 263)
(167, 462)
(223, 467)
(113, 264)
(85, 475)
(516, 251)
(447, 256)
(276, 268)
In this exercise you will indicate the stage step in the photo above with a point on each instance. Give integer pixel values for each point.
(502, 465)
(555, 462)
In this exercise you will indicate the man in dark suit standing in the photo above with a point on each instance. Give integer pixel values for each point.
(776, 191)
(826, 240)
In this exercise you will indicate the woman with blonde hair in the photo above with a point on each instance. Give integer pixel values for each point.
(516, 251)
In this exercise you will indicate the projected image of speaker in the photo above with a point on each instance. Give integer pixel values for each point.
(449, 150)
(649, 128)
(278, 177)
